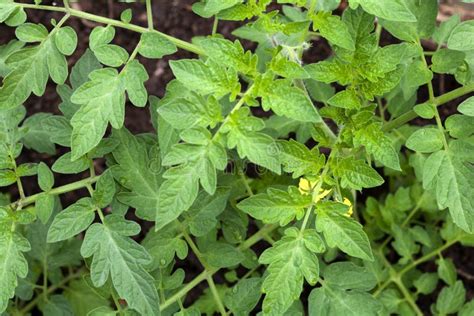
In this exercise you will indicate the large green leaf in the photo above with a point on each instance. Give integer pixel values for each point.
(451, 179)
(120, 257)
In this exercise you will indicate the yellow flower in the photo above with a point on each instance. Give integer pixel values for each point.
(306, 186)
(348, 203)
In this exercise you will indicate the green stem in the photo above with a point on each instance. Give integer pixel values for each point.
(398, 275)
(215, 294)
(57, 191)
(408, 297)
(215, 25)
(149, 14)
(103, 20)
(51, 290)
(203, 275)
(445, 98)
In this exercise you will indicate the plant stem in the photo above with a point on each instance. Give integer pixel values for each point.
(149, 14)
(214, 26)
(51, 290)
(57, 191)
(203, 275)
(100, 19)
(438, 101)
(398, 275)
(216, 295)
(408, 297)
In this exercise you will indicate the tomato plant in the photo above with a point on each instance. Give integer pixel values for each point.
(258, 167)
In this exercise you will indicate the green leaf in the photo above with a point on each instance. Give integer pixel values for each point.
(343, 232)
(30, 32)
(102, 100)
(349, 276)
(126, 15)
(194, 110)
(215, 6)
(5, 51)
(45, 177)
(176, 194)
(395, 10)
(447, 270)
(334, 301)
(451, 299)
(202, 217)
(13, 264)
(164, 244)
(112, 250)
(356, 174)
(461, 37)
(445, 29)
(467, 107)
(108, 54)
(31, 67)
(334, 30)
(446, 61)
(222, 255)
(73, 220)
(289, 262)
(346, 99)
(66, 40)
(44, 207)
(37, 136)
(276, 206)
(201, 153)
(65, 165)
(244, 296)
(82, 298)
(426, 283)
(377, 144)
(209, 78)
(139, 172)
(105, 190)
(286, 100)
(230, 54)
(425, 140)
(299, 160)
(7, 177)
(452, 181)
(56, 305)
(154, 45)
(242, 133)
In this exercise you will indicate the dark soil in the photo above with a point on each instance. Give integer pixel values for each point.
(176, 18)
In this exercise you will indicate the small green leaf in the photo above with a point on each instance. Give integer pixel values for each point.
(461, 37)
(356, 174)
(66, 40)
(45, 177)
(451, 299)
(126, 15)
(394, 10)
(425, 140)
(154, 45)
(343, 232)
(30, 33)
(467, 107)
(73, 220)
(276, 206)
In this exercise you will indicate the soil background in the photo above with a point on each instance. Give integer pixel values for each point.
(176, 18)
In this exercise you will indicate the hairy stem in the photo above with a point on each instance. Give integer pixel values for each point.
(57, 191)
(100, 19)
(149, 14)
(203, 275)
(438, 101)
